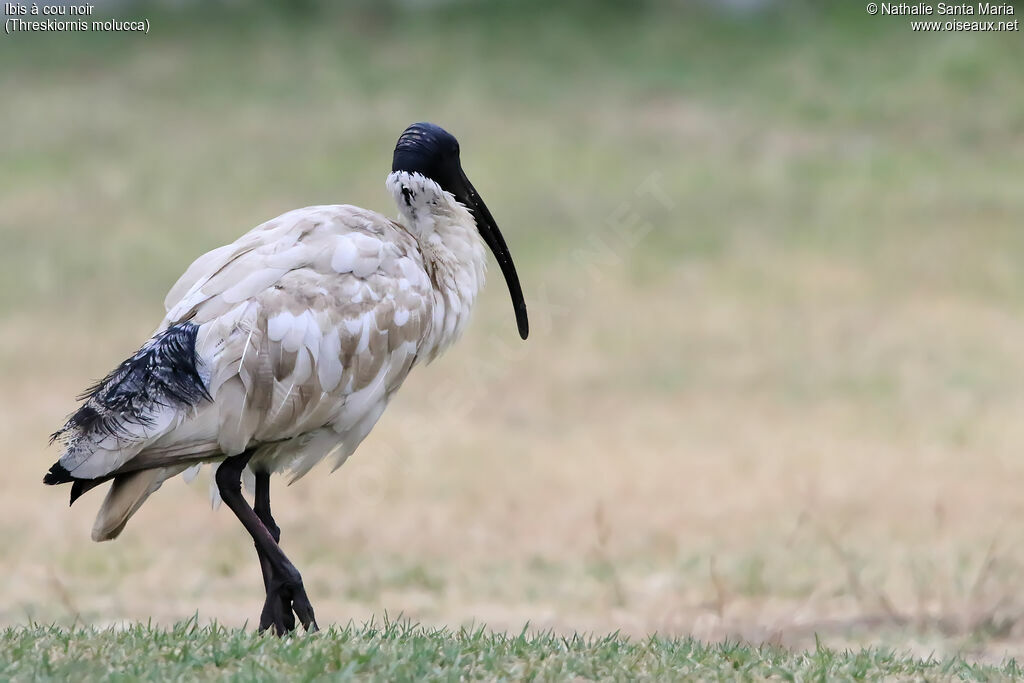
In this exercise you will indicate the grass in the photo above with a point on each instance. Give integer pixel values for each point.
(400, 651)
(775, 271)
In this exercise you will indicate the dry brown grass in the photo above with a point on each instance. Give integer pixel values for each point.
(688, 477)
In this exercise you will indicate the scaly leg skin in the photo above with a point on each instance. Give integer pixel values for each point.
(285, 592)
(277, 608)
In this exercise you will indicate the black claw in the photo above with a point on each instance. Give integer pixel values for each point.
(288, 618)
(271, 615)
(285, 601)
(307, 620)
(304, 610)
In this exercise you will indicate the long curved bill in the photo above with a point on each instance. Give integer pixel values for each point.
(492, 236)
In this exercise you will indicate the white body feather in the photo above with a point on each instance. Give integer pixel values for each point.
(307, 325)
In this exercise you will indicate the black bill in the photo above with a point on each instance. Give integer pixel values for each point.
(468, 195)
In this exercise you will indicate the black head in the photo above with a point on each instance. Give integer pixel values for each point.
(430, 150)
(434, 152)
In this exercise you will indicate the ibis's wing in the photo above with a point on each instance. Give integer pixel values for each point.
(304, 326)
(206, 276)
(311, 327)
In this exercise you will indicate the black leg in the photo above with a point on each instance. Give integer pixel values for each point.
(277, 609)
(262, 505)
(285, 582)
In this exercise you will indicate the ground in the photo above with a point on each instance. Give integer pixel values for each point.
(774, 266)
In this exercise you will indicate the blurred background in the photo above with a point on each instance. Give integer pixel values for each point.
(774, 258)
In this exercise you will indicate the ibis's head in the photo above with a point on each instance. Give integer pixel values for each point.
(434, 152)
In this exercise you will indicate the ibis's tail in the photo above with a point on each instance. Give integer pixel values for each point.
(146, 396)
(126, 495)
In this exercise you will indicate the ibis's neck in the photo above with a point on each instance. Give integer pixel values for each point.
(453, 253)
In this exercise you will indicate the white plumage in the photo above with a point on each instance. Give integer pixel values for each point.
(307, 325)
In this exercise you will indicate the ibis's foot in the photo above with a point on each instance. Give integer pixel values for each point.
(287, 599)
(277, 615)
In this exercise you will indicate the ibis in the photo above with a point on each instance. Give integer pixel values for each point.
(283, 348)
